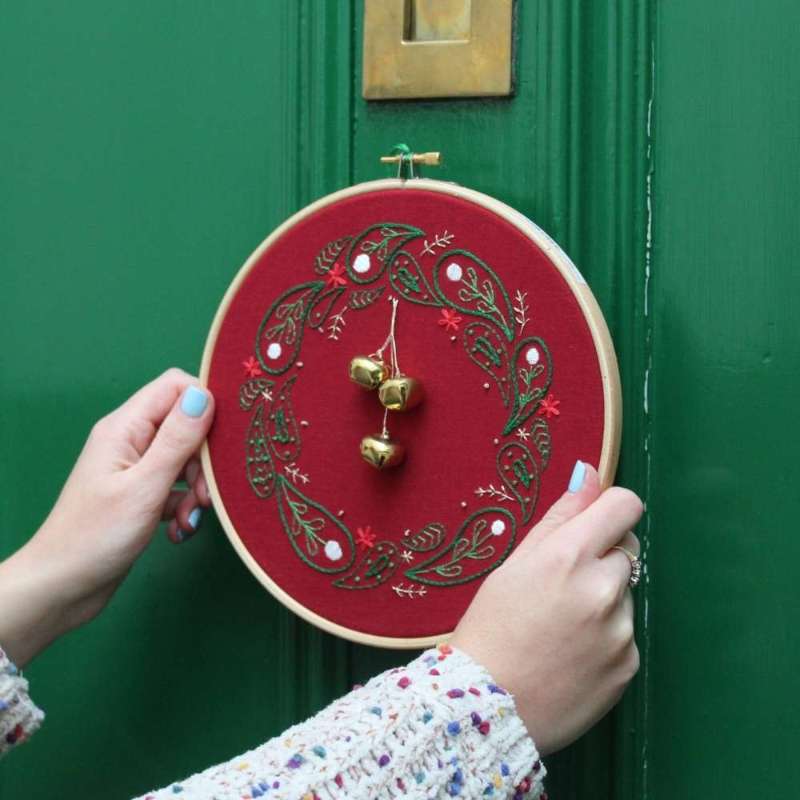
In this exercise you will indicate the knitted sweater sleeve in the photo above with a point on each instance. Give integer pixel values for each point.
(19, 717)
(436, 728)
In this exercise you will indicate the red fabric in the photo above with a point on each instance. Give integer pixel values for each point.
(449, 438)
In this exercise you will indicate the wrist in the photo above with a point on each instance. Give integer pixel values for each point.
(33, 608)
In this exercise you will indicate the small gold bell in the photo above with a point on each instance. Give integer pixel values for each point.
(367, 372)
(381, 451)
(400, 393)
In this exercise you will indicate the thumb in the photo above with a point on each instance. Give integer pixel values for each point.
(179, 437)
(583, 489)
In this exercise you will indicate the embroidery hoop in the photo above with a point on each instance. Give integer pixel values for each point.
(604, 350)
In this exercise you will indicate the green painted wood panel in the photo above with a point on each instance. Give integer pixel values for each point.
(724, 500)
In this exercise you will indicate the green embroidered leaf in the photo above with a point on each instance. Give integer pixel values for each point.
(318, 537)
(429, 538)
(540, 435)
(251, 390)
(482, 543)
(486, 347)
(518, 471)
(376, 566)
(326, 257)
(259, 466)
(373, 248)
(532, 373)
(467, 284)
(322, 307)
(280, 333)
(363, 298)
(282, 428)
(409, 281)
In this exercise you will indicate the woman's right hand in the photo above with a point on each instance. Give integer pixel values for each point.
(554, 623)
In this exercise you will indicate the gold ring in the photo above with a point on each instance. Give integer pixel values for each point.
(636, 566)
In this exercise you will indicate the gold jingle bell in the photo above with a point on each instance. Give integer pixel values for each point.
(368, 372)
(381, 451)
(400, 393)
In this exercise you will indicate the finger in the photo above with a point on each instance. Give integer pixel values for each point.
(174, 533)
(143, 412)
(192, 471)
(173, 501)
(618, 566)
(189, 513)
(178, 439)
(201, 490)
(623, 620)
(582, 490)
(604, 523)
(630, 541)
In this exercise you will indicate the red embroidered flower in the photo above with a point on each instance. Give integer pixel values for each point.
(335, 276)
(450, 320)
(251, 368)
(365, 537)
(549, 407)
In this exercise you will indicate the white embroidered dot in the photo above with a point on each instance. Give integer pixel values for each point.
(463, 504)
(532, 356)
(333, 550)
(498, 527)
(486, 386)
(361, 264)
(274, 351)
(454, 271)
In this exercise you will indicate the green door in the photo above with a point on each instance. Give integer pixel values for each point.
(148, 147)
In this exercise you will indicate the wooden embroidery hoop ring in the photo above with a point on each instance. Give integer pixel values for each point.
(607, 360)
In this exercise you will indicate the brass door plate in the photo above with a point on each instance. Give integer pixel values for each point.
(437, 48)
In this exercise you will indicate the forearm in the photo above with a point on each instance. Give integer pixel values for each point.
(31, 612)
(437, 728)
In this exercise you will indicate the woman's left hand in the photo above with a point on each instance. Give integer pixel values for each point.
(120, 488)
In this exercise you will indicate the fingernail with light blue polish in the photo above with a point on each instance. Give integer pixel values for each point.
(194, 517)
(194, 402)
(578, 476)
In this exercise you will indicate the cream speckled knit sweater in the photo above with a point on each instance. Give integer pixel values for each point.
(436, 728)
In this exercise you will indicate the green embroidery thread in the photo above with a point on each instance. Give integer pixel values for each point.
(378, 242)
(284, 434)
(282, 327)
(429, 538)
(526, 395)
(376, 566)
(409, 281)
(478, 296)
(486, 348)
(364, 298)
(322, 307)
(326, 257)
(308, 520)
(518, 471)
(260, 468)
(253, 389)
(449, 566)
(540, 435)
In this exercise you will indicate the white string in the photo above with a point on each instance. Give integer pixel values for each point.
(385, 432)
(391, 342)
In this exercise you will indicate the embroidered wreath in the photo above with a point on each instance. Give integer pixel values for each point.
(353, 273)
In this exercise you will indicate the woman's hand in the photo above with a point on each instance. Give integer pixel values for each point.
(554, 623)
(119, 489)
